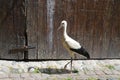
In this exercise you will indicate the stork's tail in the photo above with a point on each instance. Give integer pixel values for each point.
(81, 51)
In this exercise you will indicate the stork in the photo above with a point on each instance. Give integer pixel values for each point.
(71, 45)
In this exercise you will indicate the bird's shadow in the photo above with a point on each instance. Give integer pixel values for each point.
(54, 71)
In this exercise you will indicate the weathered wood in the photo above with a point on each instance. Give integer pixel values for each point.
(32, 27)
(43, 31)
(94, 23)
(12, 31)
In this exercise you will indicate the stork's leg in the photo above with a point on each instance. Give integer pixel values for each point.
(66, 65)
(71, 64)
(71, 61)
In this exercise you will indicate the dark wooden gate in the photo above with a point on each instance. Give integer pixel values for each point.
(94, 23)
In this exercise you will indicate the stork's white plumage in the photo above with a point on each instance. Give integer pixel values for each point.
(71, 45)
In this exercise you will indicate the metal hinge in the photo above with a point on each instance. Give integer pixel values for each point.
(21, 49)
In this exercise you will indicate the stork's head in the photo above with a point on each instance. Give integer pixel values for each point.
(63, 24)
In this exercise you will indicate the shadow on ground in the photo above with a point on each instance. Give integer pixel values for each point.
(54, 71)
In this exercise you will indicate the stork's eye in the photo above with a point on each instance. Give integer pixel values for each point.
(63, 24)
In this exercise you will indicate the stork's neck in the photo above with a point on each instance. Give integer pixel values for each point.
(65, 31)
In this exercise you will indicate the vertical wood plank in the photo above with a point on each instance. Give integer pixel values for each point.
(50, 26)
(114, 44)
(43, 49)
(32, 26)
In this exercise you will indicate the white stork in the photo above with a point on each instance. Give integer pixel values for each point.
(71, 45)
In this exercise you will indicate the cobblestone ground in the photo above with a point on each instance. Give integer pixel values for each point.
(53, 70)
(73, 76)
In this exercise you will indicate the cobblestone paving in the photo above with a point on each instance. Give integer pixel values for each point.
(73, 76)
(53, 70)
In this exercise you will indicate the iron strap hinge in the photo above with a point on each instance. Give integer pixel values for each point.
(21, 49)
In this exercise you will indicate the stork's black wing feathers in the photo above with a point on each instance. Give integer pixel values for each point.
(81, 51)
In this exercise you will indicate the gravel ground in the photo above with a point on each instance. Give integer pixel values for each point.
(54, 70)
